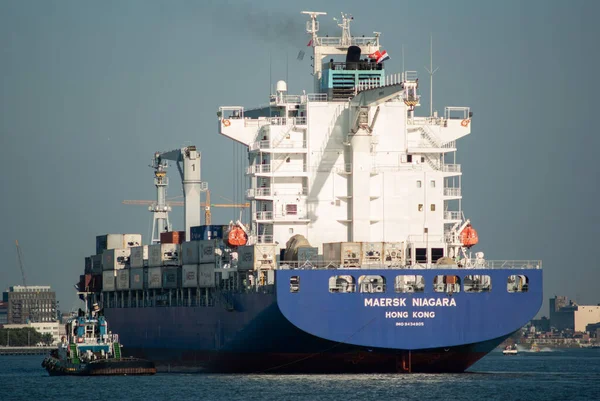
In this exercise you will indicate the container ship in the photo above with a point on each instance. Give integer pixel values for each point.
(356, 257)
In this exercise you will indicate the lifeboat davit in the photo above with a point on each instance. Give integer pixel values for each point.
(236, 237)
(468, 236)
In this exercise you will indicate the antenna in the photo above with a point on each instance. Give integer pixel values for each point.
(403, 60)
(431, 71)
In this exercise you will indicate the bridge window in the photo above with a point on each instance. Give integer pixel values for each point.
(517, 283)
(294, 284)
(421, 255)
(343, 283)
(477, 283)
(449, 284)
(371, 284)
(409, 283)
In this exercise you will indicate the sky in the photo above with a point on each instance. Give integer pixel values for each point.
(89, 90)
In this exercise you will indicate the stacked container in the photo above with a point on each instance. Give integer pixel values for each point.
(139, 256)
(259, 256)
(393, 253)
(210, 232)
(307, 254)
(108, 241)
(96, 264)
(171, 277)
(154, 277)
(88, 265)
(206, 276)
(164, 255)
(108, 280)
(190, 253)
(115, 259)
(172, 237)
(189, 276)
(372, 253)
(209, 251)
(131, 240)
(136, 279)
(117, 241)
(346, 254)
(122, 279)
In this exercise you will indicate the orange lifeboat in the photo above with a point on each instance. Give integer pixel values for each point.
(237, 237)
(468, 236)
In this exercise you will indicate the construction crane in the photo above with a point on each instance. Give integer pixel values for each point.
(20, 259)
(206, 205)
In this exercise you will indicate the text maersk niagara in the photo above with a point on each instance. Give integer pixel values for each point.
(377, 274)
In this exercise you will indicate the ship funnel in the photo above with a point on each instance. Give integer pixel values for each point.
(352, 57)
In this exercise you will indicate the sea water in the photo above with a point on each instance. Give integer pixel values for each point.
(567, 374)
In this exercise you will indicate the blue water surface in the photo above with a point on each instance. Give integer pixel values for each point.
(552, 375)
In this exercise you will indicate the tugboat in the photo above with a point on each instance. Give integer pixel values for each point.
(510, 350)
(89, 349)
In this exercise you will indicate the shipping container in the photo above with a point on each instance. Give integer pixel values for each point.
(131, 240)
(190, 253)
(171, 277)
(115, 259)
(96, 264)
(96, 285)
(206, 275)
(136, 279)
(163, 255)
(346, 254)
(154, 277)
(307, 254)
(123, 279)
(108, 280)
(259, 256)
(108, 241)
(88, 265)
(139, 256)
(393, 253)
(172, 237)
(85, 282)
(189, 276)
(209, 250)
(209, 232)
(372, 253)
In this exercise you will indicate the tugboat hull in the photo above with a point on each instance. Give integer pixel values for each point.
(120, 367)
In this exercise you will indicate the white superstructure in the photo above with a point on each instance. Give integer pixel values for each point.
(351, 162)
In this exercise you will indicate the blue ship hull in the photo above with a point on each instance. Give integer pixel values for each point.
(316, 331)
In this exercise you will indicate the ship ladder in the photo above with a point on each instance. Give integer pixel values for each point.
(117, 350)
(74, 355)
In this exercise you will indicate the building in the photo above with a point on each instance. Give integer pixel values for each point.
(541, 325)
(567, 315)
(586, 315)
(562, 313)
(3, 313)
(52, 328)
(30, 304)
